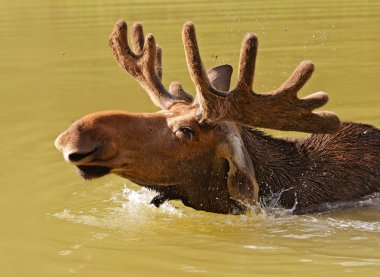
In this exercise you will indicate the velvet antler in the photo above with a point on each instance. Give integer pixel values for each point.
(280, 109)
(144, 64)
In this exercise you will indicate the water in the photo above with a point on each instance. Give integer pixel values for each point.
(56, 66)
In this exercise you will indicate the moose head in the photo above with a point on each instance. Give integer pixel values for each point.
(193, 149)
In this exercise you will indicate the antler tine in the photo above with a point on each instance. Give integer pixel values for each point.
(159, 62)
(149, 56)
(296, 80)
(247, 63)
(118, 41)
(208, 97)
(138, 45)
(137, 38)
(143, 63)
(194, 62)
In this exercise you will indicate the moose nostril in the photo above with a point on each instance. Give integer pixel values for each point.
(76, 157)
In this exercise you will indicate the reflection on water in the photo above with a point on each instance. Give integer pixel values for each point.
(56, 66)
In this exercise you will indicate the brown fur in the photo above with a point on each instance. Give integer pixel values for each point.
(318, 169)
(309, 172)
(300, 174)
(206, 154)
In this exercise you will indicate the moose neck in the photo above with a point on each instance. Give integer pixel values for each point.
(277, 163)
(207, 191)
(292, 173)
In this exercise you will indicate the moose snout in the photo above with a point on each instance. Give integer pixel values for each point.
(79, 156)
(75, 152)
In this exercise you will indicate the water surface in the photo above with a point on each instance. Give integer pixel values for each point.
(56, 66)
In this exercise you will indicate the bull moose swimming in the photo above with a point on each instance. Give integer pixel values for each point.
(206, 151)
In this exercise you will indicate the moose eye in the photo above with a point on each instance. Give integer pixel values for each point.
(186, 132)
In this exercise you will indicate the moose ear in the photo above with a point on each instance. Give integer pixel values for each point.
(220, 77)
(241, 181)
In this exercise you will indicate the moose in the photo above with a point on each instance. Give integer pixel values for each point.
(207, 151)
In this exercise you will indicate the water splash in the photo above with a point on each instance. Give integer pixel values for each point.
(270, 206)
(129, 209)
(135, 200)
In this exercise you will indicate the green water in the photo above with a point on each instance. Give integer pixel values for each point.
(55, 66)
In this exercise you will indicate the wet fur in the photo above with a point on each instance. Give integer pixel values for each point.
(301, 173)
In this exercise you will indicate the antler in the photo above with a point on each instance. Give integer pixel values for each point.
(144, 64)
(280, 109)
